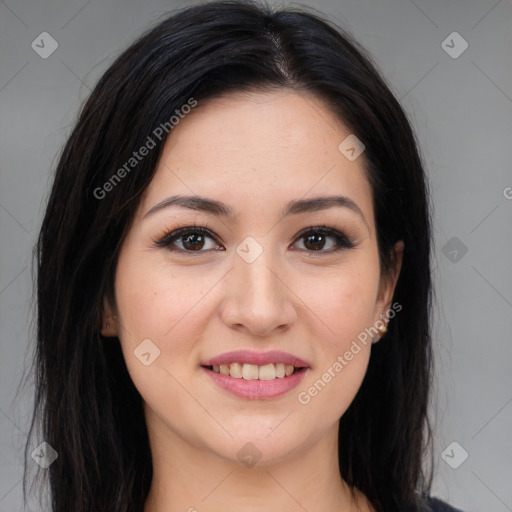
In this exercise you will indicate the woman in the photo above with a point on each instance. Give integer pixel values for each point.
(234, 283)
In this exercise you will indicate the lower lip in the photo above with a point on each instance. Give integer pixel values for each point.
(256, 389)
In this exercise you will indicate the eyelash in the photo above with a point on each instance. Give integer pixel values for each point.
(341, 240)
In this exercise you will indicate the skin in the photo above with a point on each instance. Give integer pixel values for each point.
(255, 152)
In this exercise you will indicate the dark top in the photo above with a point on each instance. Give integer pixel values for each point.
(440, 506)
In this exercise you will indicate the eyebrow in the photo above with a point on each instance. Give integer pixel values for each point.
(220, 209)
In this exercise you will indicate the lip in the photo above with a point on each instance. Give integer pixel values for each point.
(254, 357)
(256, 389)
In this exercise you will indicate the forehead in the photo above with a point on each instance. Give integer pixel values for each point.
(257, 151)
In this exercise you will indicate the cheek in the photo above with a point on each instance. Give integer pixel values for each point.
(344, 302)
(165, 306)
(345, 305)
(157, 302)
(325, 398)
(343, 351)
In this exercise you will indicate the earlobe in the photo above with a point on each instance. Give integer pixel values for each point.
(108, 321)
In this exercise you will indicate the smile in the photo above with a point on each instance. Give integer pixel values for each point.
(255, 374)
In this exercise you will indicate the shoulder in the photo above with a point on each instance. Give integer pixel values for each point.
(437, 505)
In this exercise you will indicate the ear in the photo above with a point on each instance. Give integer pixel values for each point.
(109, 320)
(388, 283)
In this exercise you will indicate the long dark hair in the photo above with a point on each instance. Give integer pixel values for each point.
(86, 406)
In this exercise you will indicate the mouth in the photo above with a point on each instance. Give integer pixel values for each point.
(256, 375)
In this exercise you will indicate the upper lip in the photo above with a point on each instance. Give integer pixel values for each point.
(258, 358)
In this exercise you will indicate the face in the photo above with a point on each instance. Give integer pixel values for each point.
(278, 274)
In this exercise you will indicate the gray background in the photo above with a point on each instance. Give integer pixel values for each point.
(461, 109)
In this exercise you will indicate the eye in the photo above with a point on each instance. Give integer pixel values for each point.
(191, 239)
(195, 239)
(315, 239)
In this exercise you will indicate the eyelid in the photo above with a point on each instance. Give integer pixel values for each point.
(323, 229)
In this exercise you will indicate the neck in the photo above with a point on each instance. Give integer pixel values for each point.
(192, 479)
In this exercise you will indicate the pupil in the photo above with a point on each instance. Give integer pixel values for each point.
(189, 239)
(318, 243)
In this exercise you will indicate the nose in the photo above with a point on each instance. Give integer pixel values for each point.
(257, 298)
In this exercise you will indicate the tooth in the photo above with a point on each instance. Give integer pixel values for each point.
(267, 372)
(250, 371)
(235, 370)
(253, 372)
(280, 370)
